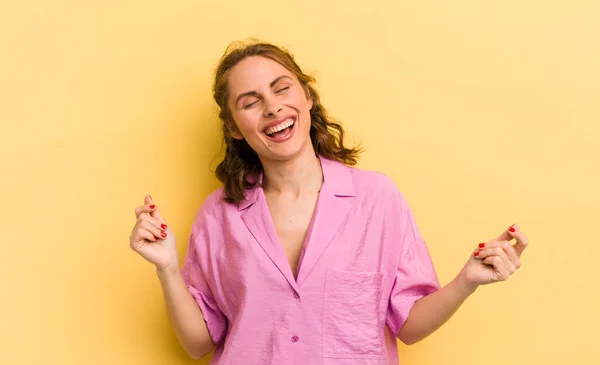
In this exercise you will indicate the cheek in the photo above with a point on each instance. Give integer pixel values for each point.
(246, 122)
(302, 101)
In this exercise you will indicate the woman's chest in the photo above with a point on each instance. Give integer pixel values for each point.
(291, 221)
(269, 255)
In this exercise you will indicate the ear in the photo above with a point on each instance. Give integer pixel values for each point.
(234, 131)
(308, 97)
(237, 135)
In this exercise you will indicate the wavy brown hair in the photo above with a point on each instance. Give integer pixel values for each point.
(240, 161)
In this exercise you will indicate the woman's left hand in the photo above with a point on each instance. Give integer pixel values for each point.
(495, 260)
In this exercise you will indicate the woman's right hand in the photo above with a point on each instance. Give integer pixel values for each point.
(152, 238)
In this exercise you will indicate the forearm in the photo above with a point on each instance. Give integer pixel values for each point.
(184, 314)
(432, 311)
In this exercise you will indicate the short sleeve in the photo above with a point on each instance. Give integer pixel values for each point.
(415, 274)
(196, 265)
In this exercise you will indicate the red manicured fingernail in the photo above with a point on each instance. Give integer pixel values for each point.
(163, 234)
(476, 254)
(152, 206)
(164, 226)
(481, 245)
(511, 228)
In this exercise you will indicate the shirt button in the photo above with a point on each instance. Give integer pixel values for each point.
(296, 295)
(295, 339)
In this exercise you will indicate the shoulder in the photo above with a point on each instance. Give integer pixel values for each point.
(214, 201)
(374, 184)
(211, 211)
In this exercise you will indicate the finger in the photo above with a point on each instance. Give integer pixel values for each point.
(153, 230)
(147, 235)
(508, 249)
(496, 251)
(155, 213)
(144, 209)
(498, 264)
(153, 221)
(522, 241)
(141, 236)
(505, 236)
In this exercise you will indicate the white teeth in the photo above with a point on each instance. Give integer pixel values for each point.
(281, 126)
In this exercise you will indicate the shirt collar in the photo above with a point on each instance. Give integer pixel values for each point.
(337, 180)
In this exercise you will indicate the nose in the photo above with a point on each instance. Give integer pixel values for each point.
(272, 107)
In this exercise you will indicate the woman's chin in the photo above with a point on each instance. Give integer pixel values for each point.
(286, 151)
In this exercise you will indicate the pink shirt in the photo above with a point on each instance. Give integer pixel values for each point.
(362, 267)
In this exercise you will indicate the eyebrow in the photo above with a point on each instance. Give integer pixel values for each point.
(254, 93)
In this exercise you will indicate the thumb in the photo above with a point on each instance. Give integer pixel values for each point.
(155, 213)
(506, 236)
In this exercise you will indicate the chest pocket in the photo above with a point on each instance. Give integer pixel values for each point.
(352, 323)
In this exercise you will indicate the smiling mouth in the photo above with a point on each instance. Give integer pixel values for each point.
(281, 130)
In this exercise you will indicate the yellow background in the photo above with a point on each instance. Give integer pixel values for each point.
(485, 113)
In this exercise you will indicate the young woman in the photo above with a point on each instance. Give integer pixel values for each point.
(300, 258)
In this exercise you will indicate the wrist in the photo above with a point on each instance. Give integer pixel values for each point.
(464, 285)
(167, 270)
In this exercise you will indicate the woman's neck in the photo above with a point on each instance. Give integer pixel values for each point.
(296, 177)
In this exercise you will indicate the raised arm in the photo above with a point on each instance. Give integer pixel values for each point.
(491, 262)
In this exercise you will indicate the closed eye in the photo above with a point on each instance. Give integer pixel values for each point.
(282, 89)
(250, 105)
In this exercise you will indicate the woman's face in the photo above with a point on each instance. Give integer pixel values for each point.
(270, 108)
